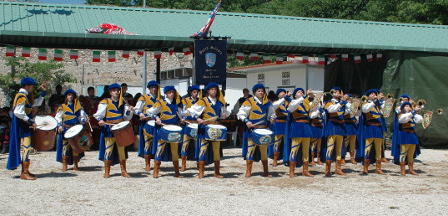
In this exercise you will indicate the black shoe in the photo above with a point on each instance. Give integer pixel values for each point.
(4, 148)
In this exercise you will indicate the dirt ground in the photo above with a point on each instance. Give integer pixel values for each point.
(88, 193)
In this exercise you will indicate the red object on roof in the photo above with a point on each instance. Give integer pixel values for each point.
(109, 28)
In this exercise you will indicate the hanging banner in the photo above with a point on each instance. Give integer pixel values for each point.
(210, 61)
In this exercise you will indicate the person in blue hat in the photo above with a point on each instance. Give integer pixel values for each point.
(69, 114)
(255, 112)
(334, 130)
(208, 111)
(406, 139)
(166, 111)
(22, 126)
(278, 125)
(297, 147)
(112, 111)
(351, 128)
(317, 124)
(370, 133)
(188, 151)
(146, 131)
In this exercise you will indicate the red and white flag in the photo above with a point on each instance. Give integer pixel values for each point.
(204, 30)
(305, 59)
(186, 50)
(111, 57)
(171, 51)
(125, 53)
(26, 51)
(344, 57)
(369, 57)
(291, 56)
(42, 54)
(58, 55)
(96, 56)
(74, 54)
(140, 52)
(357, 59)
(379, 56)
(240, 55)
(266, 58)
(157, 53)
(253, 56)
(321, 60)
(279, 59)
(333, 56)
(10, 51)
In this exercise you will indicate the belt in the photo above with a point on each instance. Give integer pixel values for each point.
(301, 120)
(67, 126)
(316, 125)
(191, 121)
(408, 130)
(350, 121)
(210, 122)
(259, 126)
(281, 121)
(374, 123)
(337, 121)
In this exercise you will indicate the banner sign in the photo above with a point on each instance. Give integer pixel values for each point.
(210, 61)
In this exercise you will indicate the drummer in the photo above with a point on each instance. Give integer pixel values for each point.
(278, 125)
(209, 110)
(187, 149)
(166, 111)
(111, 111)
(21, 131)
(255, 112)
(69, 114)
(146, 131)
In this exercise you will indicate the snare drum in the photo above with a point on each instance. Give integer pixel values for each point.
(43, 137)
(262, 137)
(123, 133)
(191, 130)
(79, 139)
(170, 133)
(214, 132)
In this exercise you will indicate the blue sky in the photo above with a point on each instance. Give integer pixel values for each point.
(63, 1)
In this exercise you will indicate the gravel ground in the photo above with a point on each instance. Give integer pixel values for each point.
(88, 193)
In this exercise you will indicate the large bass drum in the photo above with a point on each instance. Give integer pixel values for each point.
(123, 133)
(43, 137)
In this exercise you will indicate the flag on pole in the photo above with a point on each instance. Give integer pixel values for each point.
(253, 56)
(111, 57)
(240, 55)
(379, 56)
(74, 54)
(10, 51)
(292, 56)
(141, 52)
(96, 56)
(204, 31)
(321, 60)
(125, 53)
(333, 56)
(357, 59)
(42, 54)
(266, 58)
(369, 57)
(279, 59)
(58, 54)
(305, 59)
(186, 50)
(344, 57)
(26, 52)
(171, 51)
(157, 53)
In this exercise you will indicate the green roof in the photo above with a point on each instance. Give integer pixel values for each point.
(56, 25)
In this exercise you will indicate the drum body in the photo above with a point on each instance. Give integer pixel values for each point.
(214, 132)
(123, 133)
(191, 130)
(79, 138)
(262, 137)
(43, 138)
(170, 133)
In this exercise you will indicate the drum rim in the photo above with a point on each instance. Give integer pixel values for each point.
(76, 126)
(217, 126)
(123, 123)
(263, 129)
(49, 117)
(179, 128)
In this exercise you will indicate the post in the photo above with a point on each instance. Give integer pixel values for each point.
(144, 72)
(158, 70)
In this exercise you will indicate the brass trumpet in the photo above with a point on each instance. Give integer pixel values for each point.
(390, 96)
(440, 111)
(421, 103)
(364, 99)
(331, 92)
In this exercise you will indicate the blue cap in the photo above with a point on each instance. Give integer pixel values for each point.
(296, 90)
(370, 91)
(152, 83)
(28, 81)
(211, 85)
(257, 86)
(69, 91)
(337, 88)
(350, 95)
(114, 86)
(405, 96)
(280, 90)
(168, 88)
(193, 87)
(404, 104)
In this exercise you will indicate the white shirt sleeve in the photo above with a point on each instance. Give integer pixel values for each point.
(243, 112)
(101, 112)
(278, 103)
(19, 111)
(334, 108)
(38, 101)
(153, 110)
(138, 107)
(315, 114)
(196, 110)
(404, 118)
(82, 116)
(348, 107)
(127, 115)
(58, 116)
(418, 118)
(367, 107)
(294, 104)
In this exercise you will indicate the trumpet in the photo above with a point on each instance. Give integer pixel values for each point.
(331, 92)
(364, 99)
(421, 103)
(390, 96)
(440, 111)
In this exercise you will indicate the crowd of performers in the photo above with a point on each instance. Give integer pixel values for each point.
(299, 128)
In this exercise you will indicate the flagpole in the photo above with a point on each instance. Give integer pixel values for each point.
(144, 62)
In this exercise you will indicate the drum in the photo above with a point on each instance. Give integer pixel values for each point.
(262, 137)
(191, 130)
(123, 133)
(151, 123)
(80, 139)
(170, 133)
(43, 137)
(214, 132)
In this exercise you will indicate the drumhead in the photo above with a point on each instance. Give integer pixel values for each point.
(193, 125)
(73, 131)
(120, 125)
(172, 128)
(46, 123)
(217, 126)
(263, 131)
(151, 123)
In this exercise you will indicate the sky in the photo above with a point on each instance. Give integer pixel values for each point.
(63, 1)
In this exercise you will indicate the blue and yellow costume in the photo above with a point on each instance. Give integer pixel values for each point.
(317, 125)
(370, 133)
(406, 141)
(297, 146)
(395, 125)
(279, 127)
(187, 150)
(168, 111)
(146, 131)
(111, 112)
(209, 109)
(257, 111)
(334, 131)
(69, 114)
(20, 133)
(351, 129)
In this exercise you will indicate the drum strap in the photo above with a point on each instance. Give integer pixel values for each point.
(210, 122)
(259, 126)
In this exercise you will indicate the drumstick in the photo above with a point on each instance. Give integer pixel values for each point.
(90, 126)
(110, 124)
(257, 123)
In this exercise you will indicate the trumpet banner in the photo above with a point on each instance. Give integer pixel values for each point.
(388, 106)
(354, 107)
(427, 119)
(316, 100)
